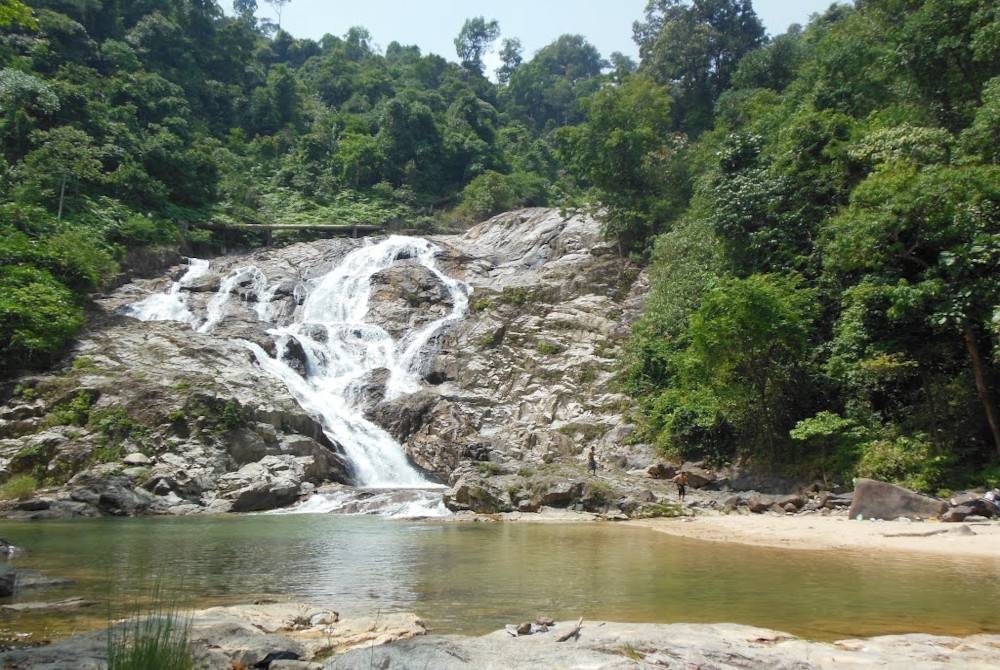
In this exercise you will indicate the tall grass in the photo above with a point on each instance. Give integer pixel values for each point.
(18, 487)
(152, 639)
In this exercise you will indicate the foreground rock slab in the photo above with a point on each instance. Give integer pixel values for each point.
(241, 636)
(617, 646)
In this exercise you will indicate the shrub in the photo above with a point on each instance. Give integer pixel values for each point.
(904, 460)
(75, 412)
(18, 487)
(38, 317)
(491, 193)
(547, 348)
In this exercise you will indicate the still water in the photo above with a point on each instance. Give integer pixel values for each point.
(475, 577)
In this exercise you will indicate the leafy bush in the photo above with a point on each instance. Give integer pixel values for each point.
(907, 461)
(139, 230)
(491, 193)
(74, 412)
(38, 317)
(18, 487)
(115, 423)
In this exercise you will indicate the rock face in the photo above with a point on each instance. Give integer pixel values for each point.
(879, 500)
(157, 417)
(616, 646)
(247, 636)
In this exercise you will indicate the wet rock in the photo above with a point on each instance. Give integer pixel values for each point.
(369, 391)
(8, 581)
(54, 606)
(294, 356)
(8, 550)
(405, 415)
(274, 481)
(32, 579)
(881, 500)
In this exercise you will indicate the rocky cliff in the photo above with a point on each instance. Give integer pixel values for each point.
(171, 417)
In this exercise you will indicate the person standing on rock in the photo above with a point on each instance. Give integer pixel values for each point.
(681, 479)
(591, 461)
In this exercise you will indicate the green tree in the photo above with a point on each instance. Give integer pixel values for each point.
(474, 40)
(510, 59)
(16, 12)
(628, 153)
(741, 370)
(65, 156)
(696, 48)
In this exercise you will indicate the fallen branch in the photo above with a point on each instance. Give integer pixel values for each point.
(574, 633)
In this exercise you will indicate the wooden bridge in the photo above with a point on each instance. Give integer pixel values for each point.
(352, 230)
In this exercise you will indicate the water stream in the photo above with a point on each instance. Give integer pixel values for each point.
(340, 350)
(475, 577)
(172, 305)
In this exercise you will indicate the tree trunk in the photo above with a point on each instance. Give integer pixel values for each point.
(982, 386)
(62, 196)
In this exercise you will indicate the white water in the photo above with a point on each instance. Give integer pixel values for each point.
(172, 305)
(340, 349)
(258, 286)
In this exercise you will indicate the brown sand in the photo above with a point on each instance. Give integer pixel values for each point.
(815, 532)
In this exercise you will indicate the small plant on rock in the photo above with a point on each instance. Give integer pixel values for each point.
(18, 487)
(154, 640)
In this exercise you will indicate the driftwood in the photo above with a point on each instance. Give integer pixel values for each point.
(574, 633)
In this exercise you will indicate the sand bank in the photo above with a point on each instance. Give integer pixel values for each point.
(814, 532)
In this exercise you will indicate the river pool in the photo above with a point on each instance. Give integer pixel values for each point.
(475, 577)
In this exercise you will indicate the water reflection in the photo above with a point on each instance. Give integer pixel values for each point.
(472, 578)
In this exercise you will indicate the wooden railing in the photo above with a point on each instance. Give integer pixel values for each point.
(353, 230)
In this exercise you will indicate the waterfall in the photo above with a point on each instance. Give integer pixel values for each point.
(338, 349)
(258, 286)
(172, 305)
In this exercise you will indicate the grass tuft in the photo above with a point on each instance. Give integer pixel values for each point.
(18, 487)
(151, 640)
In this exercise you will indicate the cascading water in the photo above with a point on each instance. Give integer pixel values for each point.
(258, 286)
(172, 305)
(340, 349)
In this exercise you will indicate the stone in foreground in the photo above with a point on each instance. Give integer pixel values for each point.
(617, 646)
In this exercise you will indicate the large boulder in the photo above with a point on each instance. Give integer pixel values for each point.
(476, 496)
(272, 482)
(976, 504)
(698, 475)
(881, 500)
(406, 296)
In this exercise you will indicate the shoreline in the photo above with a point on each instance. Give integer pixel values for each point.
(825, 533)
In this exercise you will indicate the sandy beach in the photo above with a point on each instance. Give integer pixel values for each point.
(816, 532)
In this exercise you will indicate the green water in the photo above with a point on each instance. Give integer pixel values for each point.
(476, 577)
